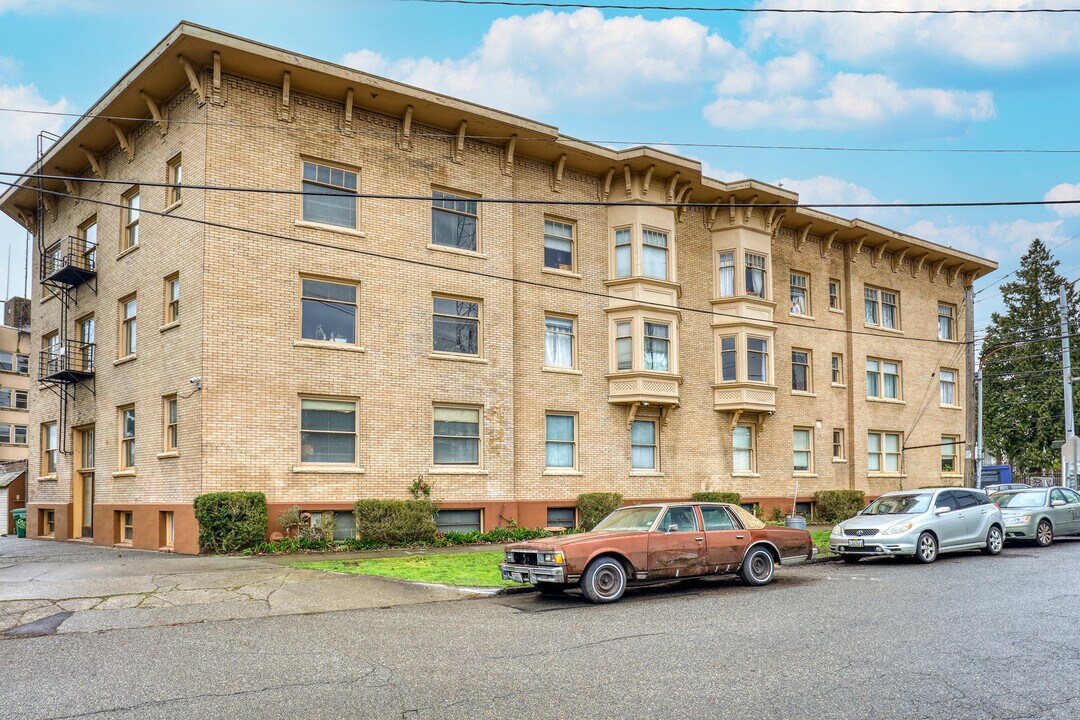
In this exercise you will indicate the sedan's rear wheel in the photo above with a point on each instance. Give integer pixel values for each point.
(1044, 534)
(758, 567)
(604, 580)
(994, 541)
(926, 549)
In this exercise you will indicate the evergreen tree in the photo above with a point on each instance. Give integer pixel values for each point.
(1023, 409)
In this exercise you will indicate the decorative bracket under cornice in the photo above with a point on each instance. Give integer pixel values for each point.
(951, 273)
(711, 221)
(95, 162)
(71, 186)
(826, 246)
(557, 173)
(898, 259)
(508, 157)
(124, 138)
(193, 79)
(285, 110)
(347, 120)
(879, 252)
(672, 182)
(159, 113)
(605, 187)
(800, 237)
(26, 217)
(748, 211)
(916, 267)
(935, 269)
(457, 150)
(647, 181)
(51, 206)
(856, 248)
(405, 142)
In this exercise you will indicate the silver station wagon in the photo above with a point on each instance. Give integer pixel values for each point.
(1039, 514)
(921, 524)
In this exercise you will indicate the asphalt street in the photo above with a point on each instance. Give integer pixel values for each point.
(968, 637)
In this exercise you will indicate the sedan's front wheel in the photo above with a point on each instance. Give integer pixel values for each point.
(994, 541)
(926, 550)
(1044, 534)
(757, 567)
(604, 580)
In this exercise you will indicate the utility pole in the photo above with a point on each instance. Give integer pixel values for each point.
(978, 433)
(1066, 374)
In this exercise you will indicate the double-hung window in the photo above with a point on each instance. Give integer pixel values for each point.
(945, 317)
(130, 236)
(726, 285)
(89, 232)
(49, 448)
(948, 386)
(800, 294)
(883, 452)
(624, 345)
(128, 330)
(127, 437)
(882, 379)
(558, 245)
(654, 254)
(882, 308)
(800, 371)
(657, 346)
(171, 423)
(834, 294)
(14, 362)
(561, 441)
(742, 442)
(456, 326)
(454, 221)
(643, 445)
(456, 436)
(174, 176)
(328, 311)
(729, 358)
(623, 253)
(837, 369)
(949, 462)
(558, 341)
(328, 431)
(757, 359)
(755, 274)
(802, 440)
(172, 298)
(838, 444)
(329, 195)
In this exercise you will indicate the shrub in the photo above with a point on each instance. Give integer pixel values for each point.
(395, 522)
(731, 498)
(594, 507)
(230, 521)
(838, 505)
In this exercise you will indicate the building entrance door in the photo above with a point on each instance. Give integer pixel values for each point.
(83, 493)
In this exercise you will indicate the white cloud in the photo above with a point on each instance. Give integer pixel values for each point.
(844, 101)
(995, 41)
(996, 240)
(534, 63)
(1064, 191)
(826, 189)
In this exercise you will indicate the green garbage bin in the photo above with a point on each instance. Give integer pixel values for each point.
(20, 521)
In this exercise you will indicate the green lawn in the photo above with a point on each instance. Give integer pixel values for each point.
(479, 569)
(821, 542)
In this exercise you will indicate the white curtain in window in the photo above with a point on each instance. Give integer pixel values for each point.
(654, 262)
(742, 458)
(558, 343)
(948, 388)
(727, 274)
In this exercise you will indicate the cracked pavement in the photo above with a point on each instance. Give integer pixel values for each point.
(970, 636)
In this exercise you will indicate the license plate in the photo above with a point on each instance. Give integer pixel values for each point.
(855, 543)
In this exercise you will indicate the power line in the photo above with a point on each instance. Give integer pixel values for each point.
(531, 201)
(775, 10)
(527, 138)
(435, 265)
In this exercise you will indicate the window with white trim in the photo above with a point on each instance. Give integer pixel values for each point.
(328, 311)
(456, 326)
(838, 444)
(456, 435)
(328, 431)
(946, 315)
(559, 341)
(950, 458)
(654, 254)
(644, 445)
(883, 452)
(742, 444)
(837, 369)
(757, 359)
(800, 294)
(756, 278)
(49, 448)
(657, 346)
(726, 284)
(560, 446)
(947, 380)
(882, 379)
(558, 245)
(802, 442)
(834, 295)
(729, 358)
(329, 195)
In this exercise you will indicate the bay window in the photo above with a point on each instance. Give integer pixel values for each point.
(757, 359)
(755, 274)
(654, 254)
(657, 346)
(623, 253)
(727, 274)
(728, 359)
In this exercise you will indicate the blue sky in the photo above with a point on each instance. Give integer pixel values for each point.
(915, 83)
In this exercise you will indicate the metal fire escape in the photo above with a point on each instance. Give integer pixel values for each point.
(65, 364)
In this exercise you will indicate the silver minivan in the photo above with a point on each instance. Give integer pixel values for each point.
(921, 524)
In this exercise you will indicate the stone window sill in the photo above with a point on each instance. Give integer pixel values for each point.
(838, 385)
(746, 474)
(952, 475)
(560, 370)
(951, 407)
(125, 359)
(172, 207)
(803, 393)
(457, 471)
(868, 326)
(799, 316)
(329, 228)
(886, 476)
(169, 326)
(339, 470)
(169, 454)
(457, 251)
(125, 253)
(327, 345)
(124, 474)
(561, 273)
(834, 310)
(459, 358)
(47, 478)
(839, 460)
(646, 473)
(799, 474)
(887, 401)
(562, 471)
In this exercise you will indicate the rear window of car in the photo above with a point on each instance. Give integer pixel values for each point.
(964, 499)
(717, 518)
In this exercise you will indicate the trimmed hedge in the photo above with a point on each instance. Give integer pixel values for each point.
(594, 507)
(231, 521)
(395, 522)
(838, 505)
(731, 498)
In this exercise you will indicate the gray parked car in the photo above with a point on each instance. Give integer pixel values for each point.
(1039, 514)
(921, 524)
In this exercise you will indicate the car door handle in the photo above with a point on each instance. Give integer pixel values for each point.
(700, 539)
(739, 537)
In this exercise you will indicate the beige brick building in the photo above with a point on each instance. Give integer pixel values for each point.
(634, 327)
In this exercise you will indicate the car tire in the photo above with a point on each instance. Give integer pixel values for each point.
(604, 580)
(995, 540)
(850, 558)
(926, 549)
(1044, 534)
(550, 589)
(758, 567)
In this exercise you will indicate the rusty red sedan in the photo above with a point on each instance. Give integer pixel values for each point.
(661, 542)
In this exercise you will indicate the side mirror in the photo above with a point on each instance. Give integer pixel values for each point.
(941, 510)
(672, 528)
(1057, 503)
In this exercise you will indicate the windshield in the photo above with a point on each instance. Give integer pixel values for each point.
(1021, 499)
(899, 505)
(628, 519)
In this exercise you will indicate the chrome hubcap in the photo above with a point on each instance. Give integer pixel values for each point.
(927, 547)
(1046, 535)
(995, 540)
